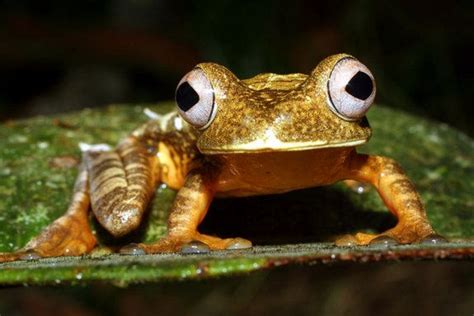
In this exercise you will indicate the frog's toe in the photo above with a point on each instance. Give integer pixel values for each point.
(362, 239)
(383, 240)
(164, 245)
(216, 243)
(29, 254)
(433, 239)
(195, 247)
(239, 243)
(207, 243)
(190, 244)
(7, 257)
(346, 241)
(66, 236)
(25, 254)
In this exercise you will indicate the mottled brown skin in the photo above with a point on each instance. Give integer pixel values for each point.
(271, 134)
(294, 106)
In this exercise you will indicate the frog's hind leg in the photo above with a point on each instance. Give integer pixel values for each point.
(69, 235)
(399, 195)
(122, 182)
(188, 210)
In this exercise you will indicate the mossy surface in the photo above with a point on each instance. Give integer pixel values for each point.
(37, 171)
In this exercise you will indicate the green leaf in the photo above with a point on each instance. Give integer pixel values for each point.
(37, 158)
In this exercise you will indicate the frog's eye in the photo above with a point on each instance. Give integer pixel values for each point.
(351, 89)
(195, 99)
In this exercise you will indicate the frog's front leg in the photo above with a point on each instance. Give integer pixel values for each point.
(399, 195)
(188, 210)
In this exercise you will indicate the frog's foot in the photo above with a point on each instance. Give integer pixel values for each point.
(400, 234)
(64, 237)
(10, 256)
(67, 236)
(197, 243)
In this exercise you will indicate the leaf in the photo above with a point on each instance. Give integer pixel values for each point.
(37, 170)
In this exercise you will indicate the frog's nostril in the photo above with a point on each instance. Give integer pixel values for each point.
(360, 86)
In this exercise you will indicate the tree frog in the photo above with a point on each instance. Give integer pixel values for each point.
(229, 138)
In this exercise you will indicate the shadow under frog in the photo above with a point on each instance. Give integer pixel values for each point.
(309, 215)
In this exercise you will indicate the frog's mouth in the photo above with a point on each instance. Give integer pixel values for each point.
(268, 145)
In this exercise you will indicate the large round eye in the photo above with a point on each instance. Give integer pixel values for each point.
(351, 89)
(195, 99)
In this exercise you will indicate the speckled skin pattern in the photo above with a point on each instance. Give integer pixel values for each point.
(291, 109)
(271, 134)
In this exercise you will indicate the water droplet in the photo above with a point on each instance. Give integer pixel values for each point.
(357, 187)
(360, 189)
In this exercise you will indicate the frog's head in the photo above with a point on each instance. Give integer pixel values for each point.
(271, 112)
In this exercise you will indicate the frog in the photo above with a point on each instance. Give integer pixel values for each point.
(227, 137)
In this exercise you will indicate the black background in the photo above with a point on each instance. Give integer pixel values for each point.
(58, 56)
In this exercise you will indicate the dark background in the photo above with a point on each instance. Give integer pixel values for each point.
(58, 56)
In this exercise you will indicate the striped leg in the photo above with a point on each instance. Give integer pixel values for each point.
(117, 183)
(69, 235)
(121, 184)
(399, 195)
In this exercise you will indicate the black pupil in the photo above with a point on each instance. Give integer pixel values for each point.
(186, 96)
(360, 86)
